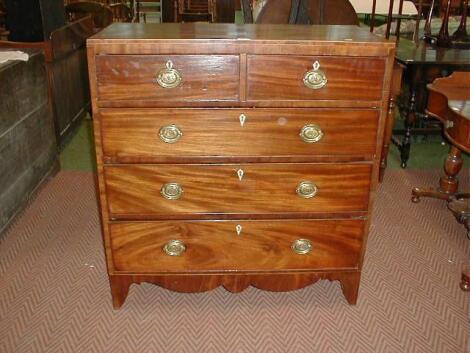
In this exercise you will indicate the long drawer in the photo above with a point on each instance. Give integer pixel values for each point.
(163, 190)
(198, 246)
(169, 78)
(153, 135)
(275, 77)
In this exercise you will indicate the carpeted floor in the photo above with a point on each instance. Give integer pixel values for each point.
(54, 295)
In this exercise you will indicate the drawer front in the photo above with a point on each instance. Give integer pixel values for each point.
(197, 77)
(163, 190)
(147, 135)
(236, 245)
(273, 77)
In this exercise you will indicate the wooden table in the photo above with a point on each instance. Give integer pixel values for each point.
(449, 102)
(423, 64)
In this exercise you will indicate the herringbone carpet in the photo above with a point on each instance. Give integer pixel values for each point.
(54, 295)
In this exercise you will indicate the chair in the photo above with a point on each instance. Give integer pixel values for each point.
(197, 10)
(415, 9)
(121, 12)
(101, 14)
(332, 12)
(146, 9)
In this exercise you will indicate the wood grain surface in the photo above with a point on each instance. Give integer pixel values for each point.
(275, 77)
(204, 78)
(131, 135)
(134, 190)
(215, 245)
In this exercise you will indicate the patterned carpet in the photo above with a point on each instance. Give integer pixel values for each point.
(54, 295)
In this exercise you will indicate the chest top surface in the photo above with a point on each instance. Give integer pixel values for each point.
(230, 38)
(226, 31)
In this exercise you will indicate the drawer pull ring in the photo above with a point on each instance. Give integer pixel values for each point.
(168, 77)
(306, 189)
(239, 229)
(315, 78)
(240, 174)
(172, 191)
(174, 248)
(242, 119)
(302, 246)
(170, 133)
(311, 133)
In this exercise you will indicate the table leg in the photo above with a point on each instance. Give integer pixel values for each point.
(410, 118)
(448, 184)
(390, 122)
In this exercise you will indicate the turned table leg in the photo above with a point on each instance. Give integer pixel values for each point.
(410, 115)
(453, 164)
(448, 183)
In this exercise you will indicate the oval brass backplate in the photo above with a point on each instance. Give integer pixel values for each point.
(311, 133)
(302, 246)
(315, 78)
(170, 133)
(174, 248)
(306, 189)
(171, 191)
(168, 77)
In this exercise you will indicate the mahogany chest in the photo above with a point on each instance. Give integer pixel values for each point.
(237, 156)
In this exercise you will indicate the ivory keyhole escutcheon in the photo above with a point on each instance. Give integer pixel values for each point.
(240, 174)
(242, 119)
(239, 229)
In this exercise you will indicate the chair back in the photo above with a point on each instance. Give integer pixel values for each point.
(327, 12)
(101, 14)
(121, 12)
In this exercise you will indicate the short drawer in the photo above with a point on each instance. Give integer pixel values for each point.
(167, 190)
(168, 77)
(199, 246)
(154, 136)
(272, 77)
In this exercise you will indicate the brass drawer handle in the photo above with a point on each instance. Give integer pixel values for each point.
(302, 246)
(174, 248)
(168, 77)
(170, 133)
(172, 191)
(311, 133)
(315, 78)
(306, 189)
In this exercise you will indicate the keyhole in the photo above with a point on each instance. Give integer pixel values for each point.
(239, 229)
(242, 119)
(240, 174)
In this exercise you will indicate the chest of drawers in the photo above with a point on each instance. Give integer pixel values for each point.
(237, 156)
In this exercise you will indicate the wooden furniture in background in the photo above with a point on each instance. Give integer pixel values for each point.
(33, 21)
(27, 141)
(197, 10)
(396, 87)
(237, 155)
(332, 12)
(449, 102)
(423, 64)
(149, 8)
(121, 13)
(101, 14)
(66, 67)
